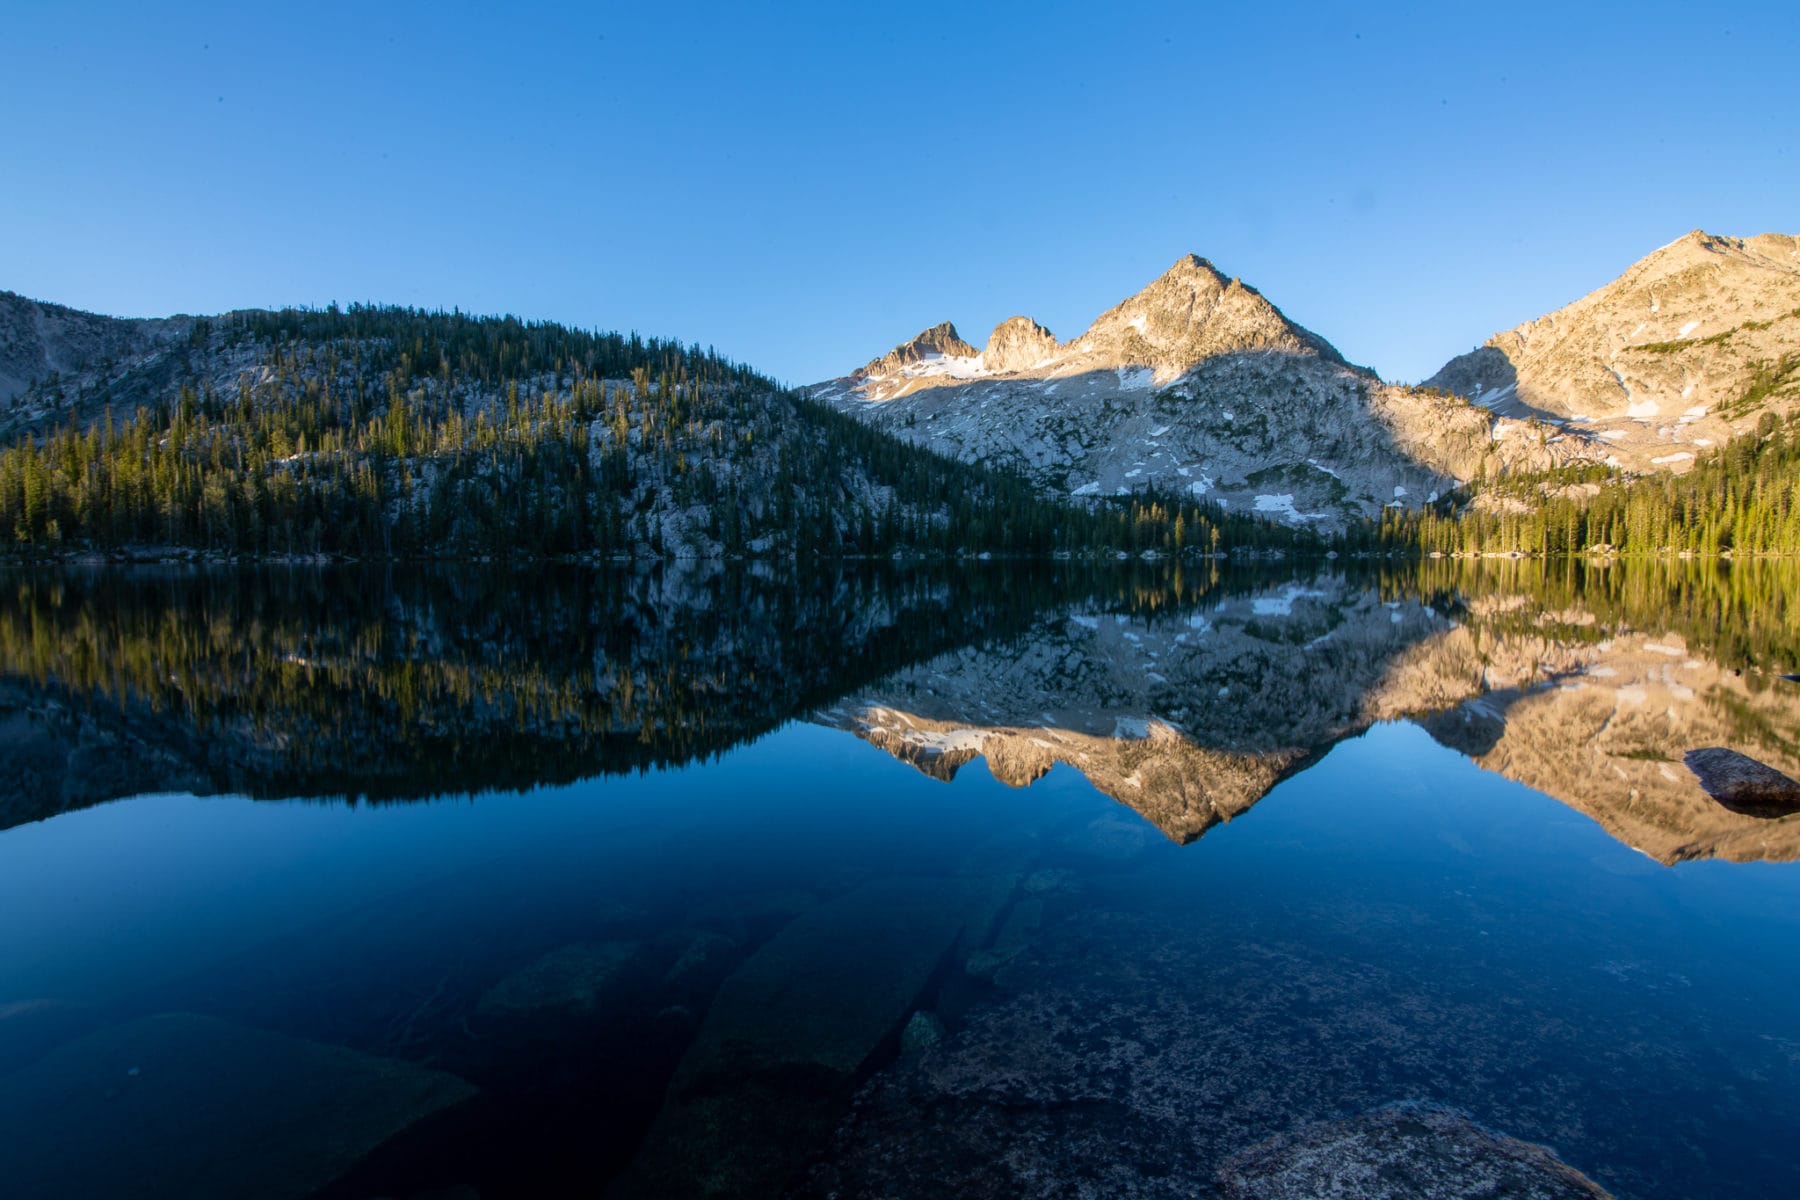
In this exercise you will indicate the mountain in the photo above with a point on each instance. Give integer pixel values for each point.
(383, 432)
(48, 342)
(1685, 350)
(938, 342)
(1195, 386)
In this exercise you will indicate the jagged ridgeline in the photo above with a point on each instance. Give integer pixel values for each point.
(396, 432)
(414, 682)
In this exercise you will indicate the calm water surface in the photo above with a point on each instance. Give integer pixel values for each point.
(988, 882)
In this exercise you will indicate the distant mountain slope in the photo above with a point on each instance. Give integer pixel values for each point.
(398, 432)
(1196, 385)
(39, 341)
(1688, 347)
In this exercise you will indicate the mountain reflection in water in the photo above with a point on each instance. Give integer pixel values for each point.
(1184, 693)
(1191, 719)
(700, 934)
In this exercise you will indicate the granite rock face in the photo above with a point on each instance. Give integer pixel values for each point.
(1199, 385)
(1018, 344)
(40, 340)
(1192, 312)
(1653, 365)
(1196, 385)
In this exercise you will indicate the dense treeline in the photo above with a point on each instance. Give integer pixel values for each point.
(418, 344)
(1742, 498)
(393, 432)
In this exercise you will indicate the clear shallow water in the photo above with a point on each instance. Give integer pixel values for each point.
(703, 979)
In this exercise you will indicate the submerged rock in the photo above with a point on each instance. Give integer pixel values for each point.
(1021, 924)
(1049, 881)
(1405, 1151)
(1130, 1053)
(789, 1031)
(831, 985)
(1742, 784)
(190, 1106)
(574, 981)
(700, 965)
(921, 1033)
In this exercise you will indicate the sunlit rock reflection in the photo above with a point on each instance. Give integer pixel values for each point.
(1191, 718)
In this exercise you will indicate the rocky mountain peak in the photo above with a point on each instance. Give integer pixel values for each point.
(1697, 250)
(1190, 313)
(1018, 344)
(940, 341)
(1196, 384)
(1652, 368)
(1192, 266)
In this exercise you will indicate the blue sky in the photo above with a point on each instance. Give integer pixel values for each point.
(805, 185)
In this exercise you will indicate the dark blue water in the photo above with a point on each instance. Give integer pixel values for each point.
(801, 964)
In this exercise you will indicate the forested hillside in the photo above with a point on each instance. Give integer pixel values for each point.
(396, 432)
(1740, 498)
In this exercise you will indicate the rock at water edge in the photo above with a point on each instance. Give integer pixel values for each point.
(1742, 784)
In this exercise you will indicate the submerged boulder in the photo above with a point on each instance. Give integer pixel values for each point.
(833, 984)
(1742, 784)
(190, 1106)
(571, 981)
(1404, 1151)
(924, 1031)
(791, 1029)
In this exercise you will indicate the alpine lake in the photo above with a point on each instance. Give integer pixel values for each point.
(979, 880)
